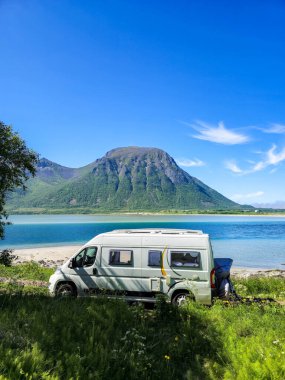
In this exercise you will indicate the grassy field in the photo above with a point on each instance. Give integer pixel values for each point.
(45, 338)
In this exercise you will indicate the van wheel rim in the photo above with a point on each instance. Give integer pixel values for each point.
(65, 291)
(181, 299)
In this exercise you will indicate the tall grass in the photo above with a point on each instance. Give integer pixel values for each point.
(99, 338)
(44, 338)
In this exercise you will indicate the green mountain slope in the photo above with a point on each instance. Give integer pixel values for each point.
(125, 179)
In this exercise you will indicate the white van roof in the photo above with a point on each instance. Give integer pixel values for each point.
(152, 236)
(156, 231)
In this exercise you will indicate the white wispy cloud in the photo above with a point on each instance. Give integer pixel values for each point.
(274, 128)
(244, 197)
(218, 133)
(232, 166)
(186, 162)
(274, 159)
(271, 158)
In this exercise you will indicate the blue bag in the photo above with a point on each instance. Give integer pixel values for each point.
(222, 274)
(222, 267)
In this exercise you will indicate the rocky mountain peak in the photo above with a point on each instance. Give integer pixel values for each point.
(50, 171)
(141, 162)
(133, 151)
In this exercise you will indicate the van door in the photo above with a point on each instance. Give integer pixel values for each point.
(120, 269)
(83, 271)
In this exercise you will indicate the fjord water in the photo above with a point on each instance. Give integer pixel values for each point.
(250, 241)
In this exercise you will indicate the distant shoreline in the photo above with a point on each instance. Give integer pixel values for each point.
(145, 213)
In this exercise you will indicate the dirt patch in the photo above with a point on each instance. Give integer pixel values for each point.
(7, 280)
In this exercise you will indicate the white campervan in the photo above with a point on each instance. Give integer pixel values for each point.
(138, 264)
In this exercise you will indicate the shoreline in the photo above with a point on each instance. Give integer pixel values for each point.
(143, 213)
(57, 255)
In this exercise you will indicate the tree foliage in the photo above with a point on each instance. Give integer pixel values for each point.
(17, 164)
(7, 257)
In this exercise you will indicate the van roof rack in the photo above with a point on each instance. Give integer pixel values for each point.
(164, 231)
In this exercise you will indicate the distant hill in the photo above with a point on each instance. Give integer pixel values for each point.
(278, 205)
(125, 179)
(50, 172)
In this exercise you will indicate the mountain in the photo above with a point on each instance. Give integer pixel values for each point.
(50, 172)
(125, 179)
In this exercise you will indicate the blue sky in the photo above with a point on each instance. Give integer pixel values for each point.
(203, 80)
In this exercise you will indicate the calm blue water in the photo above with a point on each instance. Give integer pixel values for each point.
(249, 241)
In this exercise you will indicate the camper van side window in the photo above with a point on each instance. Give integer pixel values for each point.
(154, 258)
(190, 259)
(121, 257)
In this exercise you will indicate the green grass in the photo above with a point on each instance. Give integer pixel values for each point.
(28, 271)
(44, 338)
(261, 287)
(48, 338)
(23, 279)
(16, 289)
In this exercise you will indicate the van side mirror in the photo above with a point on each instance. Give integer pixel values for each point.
(71, 263)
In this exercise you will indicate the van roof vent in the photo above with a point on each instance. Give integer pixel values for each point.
(163, 231)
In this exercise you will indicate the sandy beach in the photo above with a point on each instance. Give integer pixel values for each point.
(55, 256)
(46, 256)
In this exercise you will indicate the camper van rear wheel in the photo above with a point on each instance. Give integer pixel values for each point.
(180, 298)
(65, 290)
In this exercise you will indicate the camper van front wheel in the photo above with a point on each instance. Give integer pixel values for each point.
(65, 290)
(180, 298)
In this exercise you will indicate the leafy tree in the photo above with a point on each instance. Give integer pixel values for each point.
(17, 163)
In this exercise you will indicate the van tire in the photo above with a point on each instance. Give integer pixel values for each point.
(66, 289)
(180, 298)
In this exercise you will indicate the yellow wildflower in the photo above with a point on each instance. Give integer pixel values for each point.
(166, 357)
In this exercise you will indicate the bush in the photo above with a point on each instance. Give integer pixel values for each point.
(6, 257)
